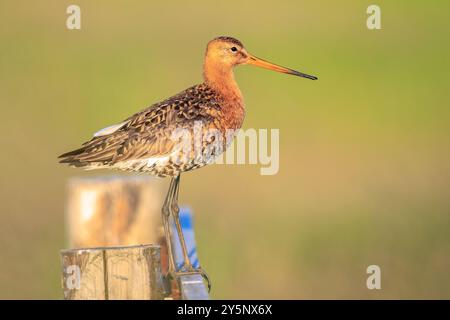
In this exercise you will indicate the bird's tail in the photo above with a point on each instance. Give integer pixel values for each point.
(72, 158)
(80, 158)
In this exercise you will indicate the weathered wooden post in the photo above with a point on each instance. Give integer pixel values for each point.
(114, 211)
(110, 273)
(104, 214)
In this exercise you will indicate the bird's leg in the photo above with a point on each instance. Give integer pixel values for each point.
(167, 231)
(176, 216)
(187, 267)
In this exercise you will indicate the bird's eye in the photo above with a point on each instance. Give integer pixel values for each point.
(234, 49)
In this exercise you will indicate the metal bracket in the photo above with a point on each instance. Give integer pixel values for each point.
(192, 287)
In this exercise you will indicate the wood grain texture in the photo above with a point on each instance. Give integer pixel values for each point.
(112, 273)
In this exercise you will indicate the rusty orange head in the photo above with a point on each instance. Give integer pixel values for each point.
(229, 52)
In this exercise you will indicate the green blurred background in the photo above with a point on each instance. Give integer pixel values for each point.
(364, 156)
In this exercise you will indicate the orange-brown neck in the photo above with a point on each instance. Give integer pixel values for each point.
(221, 78)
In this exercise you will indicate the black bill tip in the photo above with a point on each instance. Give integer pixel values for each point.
(303, 75)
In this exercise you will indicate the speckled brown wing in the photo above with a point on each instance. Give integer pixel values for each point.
(148, 133)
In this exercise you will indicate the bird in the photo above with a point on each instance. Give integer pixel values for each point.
(145, 141)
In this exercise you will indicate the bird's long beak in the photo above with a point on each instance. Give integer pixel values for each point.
(271, 66)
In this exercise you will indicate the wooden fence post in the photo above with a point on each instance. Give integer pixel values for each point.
(110, 273)
(103, 213)
(114, 211)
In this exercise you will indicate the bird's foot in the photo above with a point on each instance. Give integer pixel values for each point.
(188, 270)
(170, 275)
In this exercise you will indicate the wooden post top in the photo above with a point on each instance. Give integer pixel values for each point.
(107, 273)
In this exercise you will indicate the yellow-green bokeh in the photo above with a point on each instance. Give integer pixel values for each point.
(364, 158)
